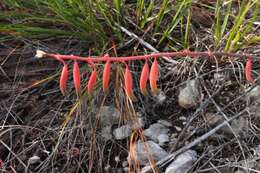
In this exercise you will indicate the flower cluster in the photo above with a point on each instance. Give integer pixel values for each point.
(147, 73)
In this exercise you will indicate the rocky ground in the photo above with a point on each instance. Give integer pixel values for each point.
(205, 122)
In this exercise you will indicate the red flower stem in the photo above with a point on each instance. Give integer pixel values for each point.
(144, 57)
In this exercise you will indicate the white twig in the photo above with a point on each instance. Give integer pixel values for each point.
(144, 43)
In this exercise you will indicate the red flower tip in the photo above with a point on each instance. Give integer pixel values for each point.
(76, 77)
(154, 76)
(248, 69)
(106, 76)
(92, 81)
(129, 84)
(144, 78)
(63, 78)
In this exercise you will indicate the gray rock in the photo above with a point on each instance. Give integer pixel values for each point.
(126, 169)
(155, 130)
(173, 135)
(189, 97)
(139, 122)
(163, 139)
(125, 163)
(213, 119)
(165, 123)
(254, 94)
(122, 132)
(239, 126)
(257, 150)
(161, 97)
(183, 162)
(178, 129)
(109, 116)
(34, 160)
(154, 150)
(253, 99)
(106, 132)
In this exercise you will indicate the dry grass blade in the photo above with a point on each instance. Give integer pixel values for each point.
(133, 155)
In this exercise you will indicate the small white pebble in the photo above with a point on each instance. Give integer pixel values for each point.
(126, 169)
(117, 159)
(107, 167)
(182, 118)
(161, 97)
(174, 135)
(125, 163)
(39, 54)
(34, 159)
(178, 128)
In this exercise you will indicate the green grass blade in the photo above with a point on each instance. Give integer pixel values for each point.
(227, 15)
(161, 13)
(148, 13)
(234, 33)
(118, 5)
(139, 9)
(217, 32)
(182, 8)
(187, 30)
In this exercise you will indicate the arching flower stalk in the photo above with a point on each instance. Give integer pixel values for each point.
(145, 74)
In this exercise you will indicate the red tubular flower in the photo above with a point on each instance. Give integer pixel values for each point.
(144, 78)
(129, 84)
(153, 73)
(92, 81)
(248, 70)
(76, 77)
(106, 76)
(154, 76)
(63, 78)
